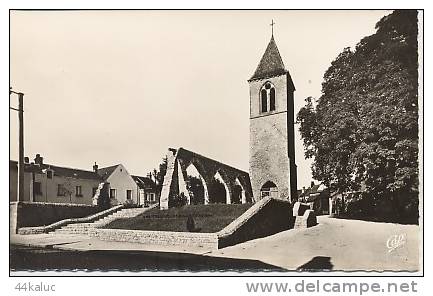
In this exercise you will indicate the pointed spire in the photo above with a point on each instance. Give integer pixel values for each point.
(272, 26)
(271, 63)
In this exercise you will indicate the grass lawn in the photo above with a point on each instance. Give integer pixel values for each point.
(207, 218)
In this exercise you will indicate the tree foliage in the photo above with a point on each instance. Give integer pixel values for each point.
(364, 127)
(196, 190)
(159, 174)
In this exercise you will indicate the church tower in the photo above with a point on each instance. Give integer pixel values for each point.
(272, 150)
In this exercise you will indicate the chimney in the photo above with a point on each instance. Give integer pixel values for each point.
(39, 160)
(26, 160)
(95, 168)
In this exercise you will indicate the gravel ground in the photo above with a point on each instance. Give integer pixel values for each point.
(335, 244)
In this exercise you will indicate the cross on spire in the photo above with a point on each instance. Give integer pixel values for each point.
(272, 27)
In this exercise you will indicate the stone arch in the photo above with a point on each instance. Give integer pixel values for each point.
(239, 192)
(220, 178)
(269, 188)
(267, 97)
(175, 178)
(192, 166)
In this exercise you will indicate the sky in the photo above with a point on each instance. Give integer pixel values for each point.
(123, 86)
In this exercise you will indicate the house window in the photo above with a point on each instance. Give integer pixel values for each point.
(112, 193)
(267, 97)
(60, 190)
(49, 174)
(78, 191)
(128, 194)
(37, 188)
(150, 196)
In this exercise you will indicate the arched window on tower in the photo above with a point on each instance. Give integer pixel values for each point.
(272, 99)
(267, 97)
(264, 100)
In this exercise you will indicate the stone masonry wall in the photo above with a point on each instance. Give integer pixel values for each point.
(272, 216)
(204, 240)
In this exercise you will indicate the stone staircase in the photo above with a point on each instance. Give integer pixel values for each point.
(83, 228)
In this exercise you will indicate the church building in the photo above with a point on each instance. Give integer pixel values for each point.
(272, 148)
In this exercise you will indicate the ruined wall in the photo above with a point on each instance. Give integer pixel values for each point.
(178, 162)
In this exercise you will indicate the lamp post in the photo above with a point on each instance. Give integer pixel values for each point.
(20, 110)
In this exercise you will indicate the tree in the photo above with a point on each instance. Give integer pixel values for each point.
(364, 127)
(160, 174)
(196, 190)
(217, 191)
(66, 188)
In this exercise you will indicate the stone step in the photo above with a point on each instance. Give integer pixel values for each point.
(70, 231)
(83, 228)
(75, 225)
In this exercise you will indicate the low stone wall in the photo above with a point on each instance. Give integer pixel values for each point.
(25, 214)
(300, 208)
(266, 217)
(308, 219)
(13, 216)
(205, 240)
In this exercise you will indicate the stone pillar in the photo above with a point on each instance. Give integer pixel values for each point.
(243, 196)
(228, 194)
(206, 192)
(168, 178)
(182, 184)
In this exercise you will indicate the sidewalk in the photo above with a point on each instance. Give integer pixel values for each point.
(86, 243)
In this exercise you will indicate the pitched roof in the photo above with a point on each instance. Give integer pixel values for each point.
(143, 182)
(107, 171)
(271, 63)
(57, 170)
(313, 190)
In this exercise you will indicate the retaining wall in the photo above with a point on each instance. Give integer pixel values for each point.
(205, 240)
(266, 217)
(25, 214)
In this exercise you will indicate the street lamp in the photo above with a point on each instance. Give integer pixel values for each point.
(20, 110)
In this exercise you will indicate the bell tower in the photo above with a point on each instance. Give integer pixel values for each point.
(272, 152)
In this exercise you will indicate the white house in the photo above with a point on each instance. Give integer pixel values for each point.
(123, 188)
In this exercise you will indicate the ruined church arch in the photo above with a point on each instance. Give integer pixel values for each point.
(239, 192)
(219, 195)
(211, 173)
(198, 195)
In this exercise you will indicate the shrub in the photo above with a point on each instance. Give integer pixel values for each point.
(190, 224)
(178, 200)
(129, 203)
